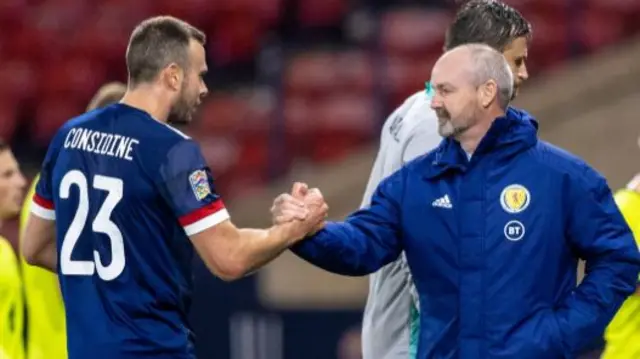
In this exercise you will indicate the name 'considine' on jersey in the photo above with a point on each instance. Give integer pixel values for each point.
(101, 143)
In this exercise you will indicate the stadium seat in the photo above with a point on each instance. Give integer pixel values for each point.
(50, 114)
(628, 11)
(18, 79)
(414, 31)
(199, 12)
(598, 29)
(30, 43)
(311, 74)
(298, 117)
(220, 114)
(321, 13)
(405, 76)
(72, 76)
(342, 122)
(236, 165)
(220, 152)
(541, 8)
(550, 45)
(233, 38)
(8, 119)
(355, 71)
(12, 15)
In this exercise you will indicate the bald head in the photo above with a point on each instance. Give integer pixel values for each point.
(473, 86)
(480, 64)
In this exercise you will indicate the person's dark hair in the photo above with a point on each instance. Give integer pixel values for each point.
(489, 22)
(3, 145)
(156, 43)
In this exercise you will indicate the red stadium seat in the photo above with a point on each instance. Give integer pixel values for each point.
(342, 122)
(268, 10)
(406, 75)
(318, 13)
(598, 29)
(199, 12)
(539, 7)
(234, 37)
(8, 120)
(550, 45)
(236, 165)
(414, 31)
(220, 114)
(220, 152)
(628, 11)
(18, 80)
(355, 71)
(298, 121)
(51, 113)
(33, 44)
(262, 110)
(311, 74)
(12, 14)
(72, 76)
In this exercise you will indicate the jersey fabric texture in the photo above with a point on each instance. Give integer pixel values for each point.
(390, 324)
(46, 330)
(126, 191)
(493, 245)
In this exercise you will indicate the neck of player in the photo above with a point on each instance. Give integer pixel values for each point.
(149, 99)
(470, 139)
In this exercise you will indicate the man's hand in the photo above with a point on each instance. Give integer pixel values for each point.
(302, 212)
(290, 206)
(634, 185)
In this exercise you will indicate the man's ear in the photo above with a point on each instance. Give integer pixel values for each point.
(488, 93)
(173, 76)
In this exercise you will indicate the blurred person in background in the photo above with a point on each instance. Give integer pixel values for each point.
(492, 223)
(12, 310)
(622, 336)
(390, 323)
(46, 330)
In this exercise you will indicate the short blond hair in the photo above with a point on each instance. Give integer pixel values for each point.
(108, 94)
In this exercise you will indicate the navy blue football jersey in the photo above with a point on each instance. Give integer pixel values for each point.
(126, 191)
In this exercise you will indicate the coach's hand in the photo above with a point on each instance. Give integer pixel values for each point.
(318, 209)
(288, 207)
(303, 210)
(634, 185)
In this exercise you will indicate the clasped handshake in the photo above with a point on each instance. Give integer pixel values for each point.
(301, 212)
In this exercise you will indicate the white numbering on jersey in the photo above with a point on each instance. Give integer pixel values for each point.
(101, 224)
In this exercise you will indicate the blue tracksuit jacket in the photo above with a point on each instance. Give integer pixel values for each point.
(493, 245)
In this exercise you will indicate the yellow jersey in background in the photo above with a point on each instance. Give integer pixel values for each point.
(11, 304)
(623, 334)
(46, 329)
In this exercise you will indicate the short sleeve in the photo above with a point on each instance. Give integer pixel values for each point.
(42, 200)
(186, 183)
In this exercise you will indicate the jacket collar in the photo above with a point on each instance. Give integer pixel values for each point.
(509, 135)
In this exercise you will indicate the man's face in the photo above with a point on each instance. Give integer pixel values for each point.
(12, 185)
(516, 55)
(455, 98)
(193, 87)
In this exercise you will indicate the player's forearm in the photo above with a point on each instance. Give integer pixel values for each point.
(257, 247)
(38, 243)
(46, 258)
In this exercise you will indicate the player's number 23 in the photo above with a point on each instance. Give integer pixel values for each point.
(101, 224)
